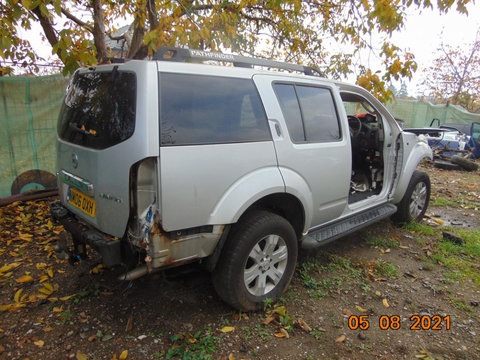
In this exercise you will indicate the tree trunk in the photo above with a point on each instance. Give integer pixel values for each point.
(48, 30)
(99, 31)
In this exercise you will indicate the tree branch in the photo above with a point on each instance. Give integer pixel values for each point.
(77, 20)
(48, 30)
(99, 30)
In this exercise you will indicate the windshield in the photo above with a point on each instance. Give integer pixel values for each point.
(99, 109)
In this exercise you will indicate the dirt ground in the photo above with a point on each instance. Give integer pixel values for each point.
(415, 288)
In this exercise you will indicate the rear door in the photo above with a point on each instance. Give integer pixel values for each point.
(108, 122)
(311, 142)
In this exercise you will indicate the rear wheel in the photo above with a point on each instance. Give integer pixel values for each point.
(415, 201)
(257, 262)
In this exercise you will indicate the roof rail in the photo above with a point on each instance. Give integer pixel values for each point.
(183, 54)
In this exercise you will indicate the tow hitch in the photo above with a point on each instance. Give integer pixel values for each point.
(82, 235)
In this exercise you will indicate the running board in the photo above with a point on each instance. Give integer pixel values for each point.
(343, 227)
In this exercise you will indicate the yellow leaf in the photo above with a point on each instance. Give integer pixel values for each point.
(24, 278)
(57, 309)
(403, 247)
(438, 221)
(39, 343)
(5, 307)
(16, 298)
(282, 333)
(359, 308)
(114, 357)
(48, 329)
(14, 254)
(227, 329)
(280, 310)
(40, 296)
(65, 298)
(50, 273)
(52, 299)
(40, 266)
(231, 357)
(340, 339)
(80, 356)
(45, 291)
(123, 355)
(48, 286)
(385, 303)
(43, 278)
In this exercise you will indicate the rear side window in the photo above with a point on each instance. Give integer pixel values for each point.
(99, 109)
(197, 109)
(309, 112)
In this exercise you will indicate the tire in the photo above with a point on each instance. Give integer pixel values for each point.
(33, 180)
(247, 258)
(464, 163)
(415, 201)
(446, 165)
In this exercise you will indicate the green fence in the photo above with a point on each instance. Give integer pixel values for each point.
(417, 114)
(29, 108)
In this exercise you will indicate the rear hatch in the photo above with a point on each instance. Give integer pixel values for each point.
(105, 122)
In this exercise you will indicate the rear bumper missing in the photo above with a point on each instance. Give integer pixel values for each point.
(83, 235)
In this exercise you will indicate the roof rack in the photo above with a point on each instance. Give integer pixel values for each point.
(183, 54)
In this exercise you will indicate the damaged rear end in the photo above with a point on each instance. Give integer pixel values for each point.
(108, 172)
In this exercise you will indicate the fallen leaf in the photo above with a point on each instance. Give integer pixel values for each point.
(340, 339)
(403, 247)
(57, 309)
(129, 325)
(304, 325)
(5, 307)
(227, 329)
(438, 221)
(268, 320)
(387, 251)
(48, 286)
(24, 279)
(39, 343)
(385, 303)
(280, 310)
(282, 333)
(40, 266)
(48, 329)
(347, 312)
(123, 355)
(16, 298)
(50, 273)
(80, 356)
(231, 357)
(359, 308)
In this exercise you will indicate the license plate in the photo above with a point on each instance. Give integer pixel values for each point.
(81, 201)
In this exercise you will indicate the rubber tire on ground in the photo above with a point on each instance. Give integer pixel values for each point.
(446, 165)
(39, 179)
(464, 163)
(228, 276)
(403, 207)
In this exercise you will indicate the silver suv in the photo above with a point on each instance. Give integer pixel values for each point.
(169, 161)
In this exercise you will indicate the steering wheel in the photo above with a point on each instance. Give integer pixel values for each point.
(355, 125)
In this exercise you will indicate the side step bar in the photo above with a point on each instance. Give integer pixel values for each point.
(340, 228)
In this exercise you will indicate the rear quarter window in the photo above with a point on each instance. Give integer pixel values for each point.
(199, 109)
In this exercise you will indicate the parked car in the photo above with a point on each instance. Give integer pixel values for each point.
(170, 161)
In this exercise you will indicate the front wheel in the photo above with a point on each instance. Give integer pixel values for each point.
(415, 201)
(257, 262)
